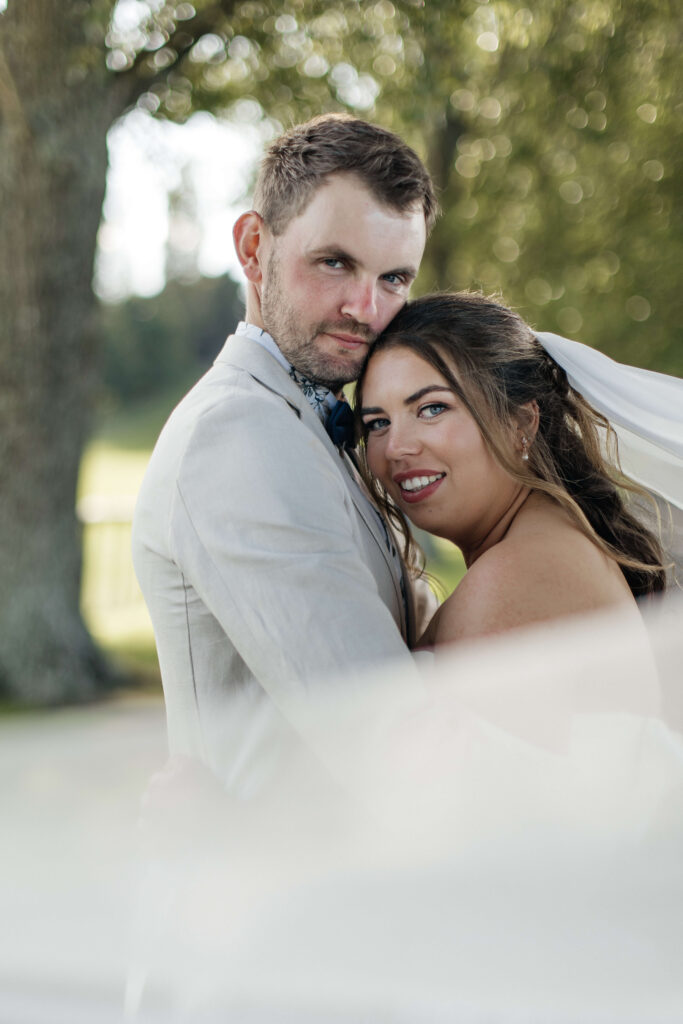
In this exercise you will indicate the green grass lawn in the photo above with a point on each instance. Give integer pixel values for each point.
(112, 470)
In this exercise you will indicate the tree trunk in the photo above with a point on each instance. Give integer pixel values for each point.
(54, 117)
(443, 143)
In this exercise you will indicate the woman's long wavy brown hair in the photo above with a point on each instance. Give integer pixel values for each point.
(501, 366)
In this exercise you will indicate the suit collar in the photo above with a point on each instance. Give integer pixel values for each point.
(244, 353)
(261, 337)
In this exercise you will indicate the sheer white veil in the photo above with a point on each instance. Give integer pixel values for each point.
(504, 845)
(645, 409)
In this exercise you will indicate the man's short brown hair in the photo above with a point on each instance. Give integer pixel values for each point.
(298, 162)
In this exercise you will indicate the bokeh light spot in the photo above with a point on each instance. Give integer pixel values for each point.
(654, 170)
(462, 99)
(117, 60)
(315, 66)
(502, 144)
(490, 108)
(467, 166)
(571, 192)
(384, 65)
(488, 41)
(596, 100)
(647, 112)
(286, 23)
(506, 249)
(539, 291)
(468, 208)
(569, 320)
(575, 42)
(597, 121)
(620, 152)
(206, 48)
(637, 307)
(577, 117)
(239, 48)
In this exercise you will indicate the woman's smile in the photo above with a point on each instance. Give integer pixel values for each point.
(418, 484)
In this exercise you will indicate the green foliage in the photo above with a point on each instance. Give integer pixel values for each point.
(552, 130)
(153, 344)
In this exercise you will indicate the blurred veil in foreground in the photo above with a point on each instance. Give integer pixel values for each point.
(499, 840)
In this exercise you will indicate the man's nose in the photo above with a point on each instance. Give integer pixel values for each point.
(360, 303)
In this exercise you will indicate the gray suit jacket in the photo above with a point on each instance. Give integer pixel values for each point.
(264, 566)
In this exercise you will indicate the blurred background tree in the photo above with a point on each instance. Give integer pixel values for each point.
(552, 131)
(153, 345)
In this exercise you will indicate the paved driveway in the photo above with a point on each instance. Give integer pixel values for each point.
(71, 784)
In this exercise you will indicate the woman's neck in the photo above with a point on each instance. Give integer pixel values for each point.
(498, 531)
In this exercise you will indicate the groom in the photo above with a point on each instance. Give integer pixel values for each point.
(264, 565)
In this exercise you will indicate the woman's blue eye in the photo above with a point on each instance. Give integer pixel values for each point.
(378, 424)
(431, 410)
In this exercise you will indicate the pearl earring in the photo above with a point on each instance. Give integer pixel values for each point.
(525, 445)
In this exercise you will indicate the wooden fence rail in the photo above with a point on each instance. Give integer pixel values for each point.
(108, 575)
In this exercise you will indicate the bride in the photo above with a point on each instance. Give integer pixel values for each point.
(473, 432)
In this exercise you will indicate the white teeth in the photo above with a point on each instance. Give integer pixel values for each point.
(416, 483)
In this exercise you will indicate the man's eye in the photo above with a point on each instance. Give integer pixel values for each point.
(428, 412)
(334, 262)
(397, 279)
(377, 424)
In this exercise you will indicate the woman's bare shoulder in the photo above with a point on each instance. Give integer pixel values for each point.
(528, 578)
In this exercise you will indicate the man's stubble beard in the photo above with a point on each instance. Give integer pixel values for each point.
(296, 340)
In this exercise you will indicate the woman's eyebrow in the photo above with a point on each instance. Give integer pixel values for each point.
(426, 391)
(370, 409)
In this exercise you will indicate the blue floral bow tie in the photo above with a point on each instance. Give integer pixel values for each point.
(341, 425)
(337, 419)
(315, 393)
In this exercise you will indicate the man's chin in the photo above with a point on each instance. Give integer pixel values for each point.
(343, 364)
(339, 375)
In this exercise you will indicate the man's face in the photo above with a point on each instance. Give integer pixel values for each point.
(336, 276)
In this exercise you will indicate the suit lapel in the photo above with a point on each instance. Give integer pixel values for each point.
(248, 355)
(385, 538)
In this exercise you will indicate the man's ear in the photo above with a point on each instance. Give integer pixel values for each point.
(248, 236)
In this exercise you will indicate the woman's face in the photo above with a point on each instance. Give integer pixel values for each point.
(426, 449)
